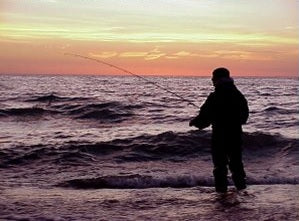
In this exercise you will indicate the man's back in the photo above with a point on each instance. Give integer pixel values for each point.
(225, 108)
(229, 108)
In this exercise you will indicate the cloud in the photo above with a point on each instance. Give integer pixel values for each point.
(104, 54)
(154, 56)
(171, 57)
(14, 41)
(290, 28)
(243, 55)
(133, 54)
(155, 50)
(157, 53)
(147, 55)
(49, 1)
(186, 54)
(182, 53)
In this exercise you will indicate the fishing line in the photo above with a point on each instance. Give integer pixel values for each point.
(133, 74)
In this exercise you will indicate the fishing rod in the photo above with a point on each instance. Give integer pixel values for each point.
(133, 74)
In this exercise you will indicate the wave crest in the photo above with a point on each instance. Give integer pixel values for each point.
(137, 181)
(74, 108)
(26, 111)
(168, 146)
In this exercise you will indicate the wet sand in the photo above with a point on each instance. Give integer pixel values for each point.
(262, 202)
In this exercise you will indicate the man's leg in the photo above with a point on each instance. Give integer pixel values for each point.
(220, 169)
(237, 169)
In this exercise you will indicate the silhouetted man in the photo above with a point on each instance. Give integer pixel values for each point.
(226, 110)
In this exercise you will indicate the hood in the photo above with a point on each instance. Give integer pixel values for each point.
(224, 81)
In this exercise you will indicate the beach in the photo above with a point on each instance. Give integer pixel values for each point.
(263, 202)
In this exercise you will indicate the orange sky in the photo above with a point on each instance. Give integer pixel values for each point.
(158, 37)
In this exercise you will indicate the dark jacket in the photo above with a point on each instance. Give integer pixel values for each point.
(225, 109)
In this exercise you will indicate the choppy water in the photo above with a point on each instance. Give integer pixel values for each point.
(91, 132)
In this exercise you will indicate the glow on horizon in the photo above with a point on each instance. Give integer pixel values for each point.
(158, 37)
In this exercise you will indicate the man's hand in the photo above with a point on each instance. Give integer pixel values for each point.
(192, 122)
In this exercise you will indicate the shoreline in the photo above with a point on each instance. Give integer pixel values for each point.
(263, 202)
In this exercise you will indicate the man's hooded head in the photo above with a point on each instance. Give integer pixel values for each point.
(221, 75)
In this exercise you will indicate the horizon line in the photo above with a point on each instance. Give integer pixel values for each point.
(147, 75)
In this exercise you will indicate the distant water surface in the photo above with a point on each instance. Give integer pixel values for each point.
(53, 109)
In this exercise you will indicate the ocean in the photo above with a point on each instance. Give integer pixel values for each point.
(120, 148)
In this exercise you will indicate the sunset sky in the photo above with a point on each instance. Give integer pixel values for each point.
(150, 37)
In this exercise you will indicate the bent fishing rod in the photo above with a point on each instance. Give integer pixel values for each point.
(133, 74)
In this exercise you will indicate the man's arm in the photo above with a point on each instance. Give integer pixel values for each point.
(244, 114)
(203, 119)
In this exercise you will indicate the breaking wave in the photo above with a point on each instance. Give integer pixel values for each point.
(166, 146)
(27, 111)
(110, 111)
(137, 181)
(52, 98)
(74, 108)
(279, 110)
